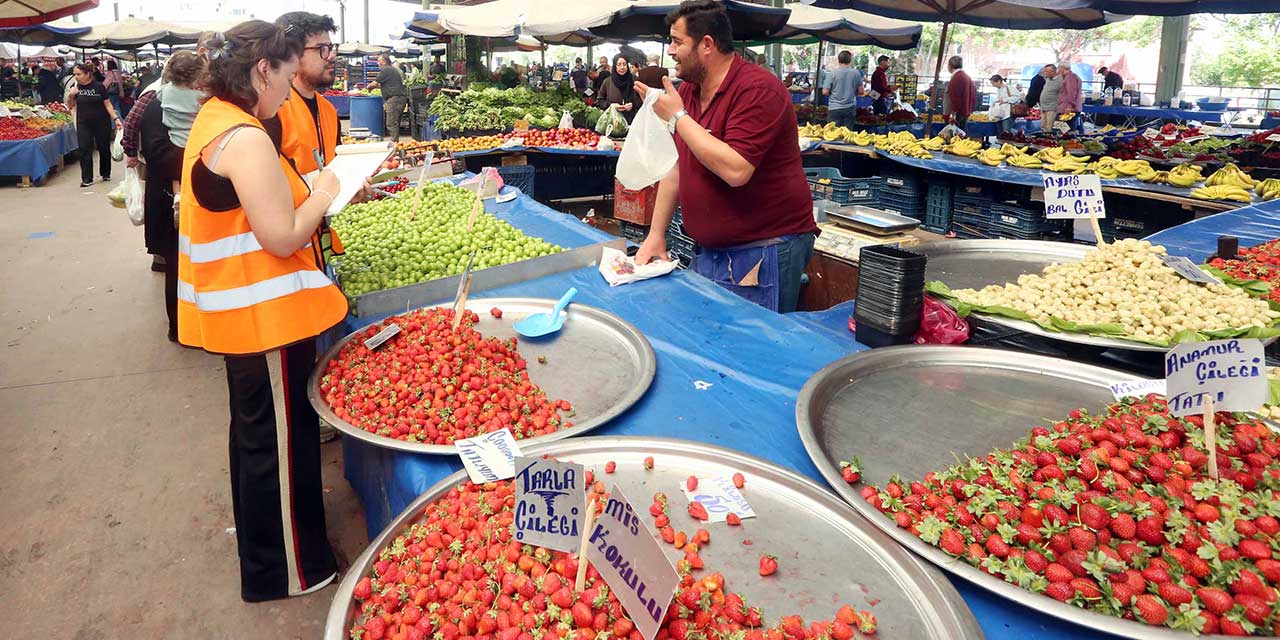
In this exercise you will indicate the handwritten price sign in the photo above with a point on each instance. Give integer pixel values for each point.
(720, 498)
(1230, 373)
(1070, 197)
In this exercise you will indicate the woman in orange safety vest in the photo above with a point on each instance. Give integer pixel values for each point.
(251, 287)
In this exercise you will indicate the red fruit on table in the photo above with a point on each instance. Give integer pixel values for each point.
(697, 510)
(768, 565)
(739, 480)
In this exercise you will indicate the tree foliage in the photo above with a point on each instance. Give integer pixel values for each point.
(1248, 57)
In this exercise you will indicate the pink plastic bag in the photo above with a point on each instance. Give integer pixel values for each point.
(940, 324)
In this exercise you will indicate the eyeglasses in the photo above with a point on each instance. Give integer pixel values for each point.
(325, 50)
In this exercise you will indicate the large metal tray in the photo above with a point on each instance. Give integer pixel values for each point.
(910, 410)
(973, 264)
(599, 362)
(871, 220)
(827, 554)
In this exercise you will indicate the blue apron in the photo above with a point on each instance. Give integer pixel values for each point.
(749, 270)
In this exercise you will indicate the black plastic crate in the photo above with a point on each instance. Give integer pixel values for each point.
(634, 232)
(1023, 220)
(521, 177)
(910, 207)
(902, 183)
(936, 219)
(827, 183)
(980, 190)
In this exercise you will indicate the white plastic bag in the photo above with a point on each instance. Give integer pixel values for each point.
(619, 268)
(117, 150)
(605, 144)
(133, 195)
(650, 151)
(566, 120)
(952, 131)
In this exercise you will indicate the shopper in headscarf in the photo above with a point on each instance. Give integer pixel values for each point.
(620, 89)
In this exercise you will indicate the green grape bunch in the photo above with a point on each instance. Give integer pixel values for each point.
(387, 246)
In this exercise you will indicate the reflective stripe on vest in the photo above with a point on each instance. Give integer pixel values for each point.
(228, 247)
(251, 294)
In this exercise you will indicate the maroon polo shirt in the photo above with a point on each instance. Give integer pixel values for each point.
(752, 113)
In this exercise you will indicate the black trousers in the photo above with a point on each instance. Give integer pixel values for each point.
(94, 135)
(276, 489)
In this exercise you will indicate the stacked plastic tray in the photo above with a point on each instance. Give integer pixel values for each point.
(1014, 222)
(901, 193)
(634, 232)
(680, 246)
(827, 183)
(890, 295)
(937, 212)
(971, 212)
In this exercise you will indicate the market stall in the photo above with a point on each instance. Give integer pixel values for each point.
(1134, 115)
(34, 140)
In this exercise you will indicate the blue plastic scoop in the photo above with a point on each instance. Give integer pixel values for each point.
(540, 324)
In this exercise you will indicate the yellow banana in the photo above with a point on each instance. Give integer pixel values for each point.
(1269, 189)
(1132, 167)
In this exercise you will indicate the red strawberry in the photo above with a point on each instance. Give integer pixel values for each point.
(1124, 526)
(610, 466)
(1094, 516)
(1151, 530)
(1256, 609)
(1028, 534)
(1061, 591)
(1210, 626)
(733, 520)
(739, 480)
(1270, 570)
(1254, 549)
(1248, 583)
(495, 312)
(364, 589)
(648, 462)
(1074, 560)
(768, 565)
(1268, 525)
(697, 510)
(1035, 560)
(1156, 573)
(1174, 594)
(1151, 610)
(1215, 600)
(997, 547)
(1082, 539)
(1124, 592)
(1058, 573)
(1229, 627)
(691, 483)
(1206, 512)
(1087, 588)
(952, 542)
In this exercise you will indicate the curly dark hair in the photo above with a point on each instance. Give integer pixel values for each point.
(300, 25)
(234, 54)
(705, 18)
(185, 68)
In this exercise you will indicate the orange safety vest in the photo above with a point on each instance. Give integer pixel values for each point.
(299, 140)
(233, 296)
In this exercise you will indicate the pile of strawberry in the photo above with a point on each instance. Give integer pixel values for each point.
(1255, 263)
(1117, 514)
(457, 573)
(433, 384)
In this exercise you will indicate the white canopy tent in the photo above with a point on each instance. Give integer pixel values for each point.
(33, 12)
(133, 32)
(553, 21)
(847, 27)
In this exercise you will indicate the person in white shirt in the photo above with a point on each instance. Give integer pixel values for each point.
(1002, 104)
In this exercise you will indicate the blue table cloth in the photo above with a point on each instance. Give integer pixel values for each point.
(1156, 112)
(755, 360)
(523, 149)
(1198, 239)
(342, 104)
(33, 158)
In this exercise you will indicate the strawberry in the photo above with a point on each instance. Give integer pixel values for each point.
(1094, 516)
(1229, 627)
(1124, 526)
(1206, 512)
(733, 519)
(1061, 591)
(1151, 530)
(1248, 583)
(740, 481)
(1254, 549)
(1151, 610)
(1058, 573)
(1125, 592)
(582, 614)
(1270, 569)
(1215, 600)
(364, 589)
(1035, 560)
(1087, 588)
(1082, 539)
(1074, 561)
(997, 547)
(691, 483)
(648, 462)
(1268, 525)
(610, 466)
(768, 565)
(952, 542)
(697, 510)
(1256, 609)
(1174, 594)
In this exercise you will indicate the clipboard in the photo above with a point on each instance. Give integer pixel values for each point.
(352, 163)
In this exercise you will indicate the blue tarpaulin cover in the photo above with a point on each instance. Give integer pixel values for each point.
(34, 157)
(1198, 239)
(1156, 112)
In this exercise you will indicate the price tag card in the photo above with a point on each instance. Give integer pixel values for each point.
(1198, 138)
(1151, 134)
(550, 502)
(380, 337)
(1189, 270)
(490, 457)
(720, 498)
(633, 563)
(1231, 372)
(1070, 197)
(1137, 388)
(1275, 137)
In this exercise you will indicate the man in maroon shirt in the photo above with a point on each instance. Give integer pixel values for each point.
(962, 96)
(881, 92)
(738, 180)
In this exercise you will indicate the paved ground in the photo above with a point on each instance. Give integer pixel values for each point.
(114, 495)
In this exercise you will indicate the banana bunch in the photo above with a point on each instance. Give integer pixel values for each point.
(1269, 189)
(1230, 175)
(1105, 170)
(935, 143)
(1009, 149)
(1132, 167)
(1022, 160)
(991, 157)
(1050, 155)
(1222, 192)
(1068, 164)
(910, 148)
(963, 147)
(1185, 175)
(860, 138)
(811, 131)
(1154, 177)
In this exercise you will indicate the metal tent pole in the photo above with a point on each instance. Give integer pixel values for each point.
(937, 71)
